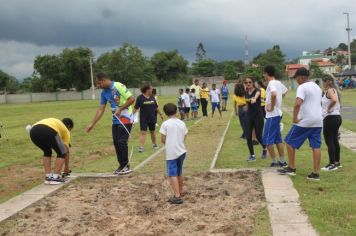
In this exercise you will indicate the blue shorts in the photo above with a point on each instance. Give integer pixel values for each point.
(181, 110)
(194, 109)
(225, 98)
(215, 105)
(272, 131)
(175, 167)
(297, 135)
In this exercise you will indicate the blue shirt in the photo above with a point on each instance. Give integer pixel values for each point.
(117, 95)
(224, 91)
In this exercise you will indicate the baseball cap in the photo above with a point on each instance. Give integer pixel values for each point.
(301, 72)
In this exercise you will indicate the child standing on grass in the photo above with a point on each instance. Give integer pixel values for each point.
(173, 132)
(215, 100)
(181, 104)
(194, 104)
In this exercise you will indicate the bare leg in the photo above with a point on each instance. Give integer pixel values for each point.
(174, 185)
(271, 151)
(153, 137)
(142, 138)
(66, 163)
(316, 157)
(47, 164)
(280, 148)
(59, 165)
(291, 156)
(254, 135)
(220, 112)
(180, 182)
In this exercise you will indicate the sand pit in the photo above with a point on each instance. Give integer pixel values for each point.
(215, 204)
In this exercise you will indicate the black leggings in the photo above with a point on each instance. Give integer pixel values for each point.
(120, 139)
(204, 106)
(256, 123)
(332, 124)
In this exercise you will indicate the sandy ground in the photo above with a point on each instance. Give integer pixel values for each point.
(215, 204)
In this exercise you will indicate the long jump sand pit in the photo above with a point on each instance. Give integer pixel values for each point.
(215, 204)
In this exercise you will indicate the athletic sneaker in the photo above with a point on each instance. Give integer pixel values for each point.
(251, 159)
(175, 200)
(313, 176)
(118, 170)
(274, 164)
(282, 164)
(155, 146)
(329, 167)
(141, 149)
(126, 170)
(55, 181)
(338, 165)
(66, 174)
(48, 180)
(287, 171)
(264, 154)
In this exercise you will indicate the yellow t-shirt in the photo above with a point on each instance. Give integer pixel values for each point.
(240, 101)
(263, 97)
(58, 126)
(204, 93)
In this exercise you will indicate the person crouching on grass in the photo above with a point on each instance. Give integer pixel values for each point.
(173, 132)
(48, 134)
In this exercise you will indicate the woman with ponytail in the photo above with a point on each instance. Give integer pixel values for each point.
(331, 121)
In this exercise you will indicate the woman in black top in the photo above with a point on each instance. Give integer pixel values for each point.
(254, 117)
(148, 107)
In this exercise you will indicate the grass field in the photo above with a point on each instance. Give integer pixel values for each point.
(329, 203)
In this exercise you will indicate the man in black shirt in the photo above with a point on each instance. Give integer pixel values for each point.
(148, 107)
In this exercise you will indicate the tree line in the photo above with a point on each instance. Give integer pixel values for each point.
(71, 68)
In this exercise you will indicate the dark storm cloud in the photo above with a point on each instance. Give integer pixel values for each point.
(169, 24)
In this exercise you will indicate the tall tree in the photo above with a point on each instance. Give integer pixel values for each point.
(8, 82)
(274, 57)
(201, 53)
(204, 68)
(126, 64)
(230, 72)
(169, 66)
(342, 46)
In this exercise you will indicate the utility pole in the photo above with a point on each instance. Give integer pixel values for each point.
(247, 56)
(92, 79)
(348, 29)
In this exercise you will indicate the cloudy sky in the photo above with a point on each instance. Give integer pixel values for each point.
(30, 28)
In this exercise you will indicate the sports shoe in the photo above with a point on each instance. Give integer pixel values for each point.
(66, 174)
(141, 149)
(330, 167)
(274, 164)
(48, 180)
(155, 146)
(264, 154)
(326, 167)
(118, 170)
(126, 170)
(338, 165)
(287, 171)
(313, 176)
(56, 181)
(282, 164)
(175, 200)
(251, 159)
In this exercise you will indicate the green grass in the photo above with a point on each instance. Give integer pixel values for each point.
(329, 203)
(348, 97)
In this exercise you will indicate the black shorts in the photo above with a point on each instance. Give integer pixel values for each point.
(47, 139)
(186, 110)
(147, 124)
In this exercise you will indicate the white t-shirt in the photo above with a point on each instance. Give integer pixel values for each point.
(310, 114)
(215, 95)
(280, 89)
(186, 99)
(175, 131)
(325, 103)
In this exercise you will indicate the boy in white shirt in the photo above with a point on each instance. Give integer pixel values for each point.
(272, 133)
(215, 100)
(173, 132)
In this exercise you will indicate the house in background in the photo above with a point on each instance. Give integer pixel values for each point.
(308, 56)
(326, 66)
(292, 68)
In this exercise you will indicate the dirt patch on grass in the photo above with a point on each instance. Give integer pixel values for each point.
(215, 203)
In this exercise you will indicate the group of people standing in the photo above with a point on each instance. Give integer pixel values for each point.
(192, 98)
(313, 112)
